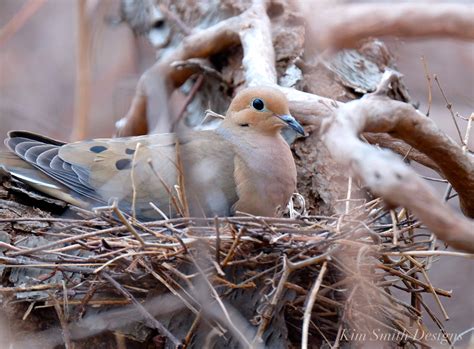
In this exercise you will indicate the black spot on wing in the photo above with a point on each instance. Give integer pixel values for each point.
(44, 156)
(129, 151)
(98, 149)
(123, 164)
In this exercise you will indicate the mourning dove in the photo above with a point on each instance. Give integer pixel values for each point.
(243, 165)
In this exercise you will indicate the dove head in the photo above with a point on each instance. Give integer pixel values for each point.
(264, 109)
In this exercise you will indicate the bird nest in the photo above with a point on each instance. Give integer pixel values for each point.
(243, 281)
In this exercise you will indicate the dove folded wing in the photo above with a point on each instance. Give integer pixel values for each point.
(134, 170)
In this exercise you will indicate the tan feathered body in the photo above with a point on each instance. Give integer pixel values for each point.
(243, 165)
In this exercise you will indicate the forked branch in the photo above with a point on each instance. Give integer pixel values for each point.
(386, 175)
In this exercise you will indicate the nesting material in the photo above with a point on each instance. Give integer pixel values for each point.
(276, 282)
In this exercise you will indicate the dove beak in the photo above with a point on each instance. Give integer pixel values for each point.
(291, 122)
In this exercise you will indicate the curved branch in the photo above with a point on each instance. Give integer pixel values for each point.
(386, 175)
(386, 141)
(345, 25)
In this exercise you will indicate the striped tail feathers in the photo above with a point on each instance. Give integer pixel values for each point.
(21, 162)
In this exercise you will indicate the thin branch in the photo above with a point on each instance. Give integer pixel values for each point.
(19, 19)
(309, 306)
(146, 315)
(82, 99)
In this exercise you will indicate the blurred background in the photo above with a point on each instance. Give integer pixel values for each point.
(38, 79)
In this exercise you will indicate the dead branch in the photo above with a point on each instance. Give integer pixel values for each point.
(19, 20)
(388, 176)
(346, 25)
(82, 100)
(402, 148)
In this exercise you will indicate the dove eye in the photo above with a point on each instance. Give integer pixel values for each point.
(258, 104)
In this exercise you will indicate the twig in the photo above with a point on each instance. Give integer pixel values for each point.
(132, 178)
(28, 9)
(129, 226)
(150, 319)
(267, 314)
(63, 321)
(309, 306)
(218, 241)
(450, 108)
(435, 295)
(189, 98)
(428, 80)
(236, 241)
(82, 99)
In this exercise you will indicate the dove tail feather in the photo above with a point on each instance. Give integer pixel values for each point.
(36, 162)
(12, 135)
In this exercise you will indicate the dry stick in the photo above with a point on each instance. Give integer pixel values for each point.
(236, 241)
(268, 311)
(435, 320)
(181, 181)
(132, 178)
(288, 267)
(349, 192)
(430, 253)
(428, 79)
(66, 240)
(82, 98)
(413, 280)
(150, 319)
(129, 226)
(450, 108)
(218, 241)
(18, 289)
(167, 188)
(189, 98)
(192, 329)
(242, 339)
(421, 267)
(468, 133)
(309, 307)
(393, 215)
(19, 19)
(63, 321)
(173, 291)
